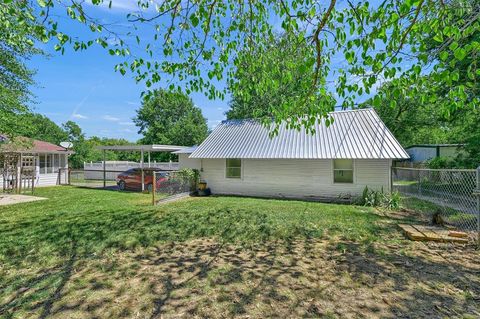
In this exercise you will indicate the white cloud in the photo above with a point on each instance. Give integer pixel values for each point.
(79, 116)
(126, 123)
(127, 130)
(111, 118)
(220, 108)
(133, 103)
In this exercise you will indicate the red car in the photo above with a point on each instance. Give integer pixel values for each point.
(132, 179)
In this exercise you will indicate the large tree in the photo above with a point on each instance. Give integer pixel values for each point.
(171, 118)
(16, 46)
(270, 78)
(194, 44)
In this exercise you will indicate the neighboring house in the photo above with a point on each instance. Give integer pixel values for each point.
(48, 160)
(240, 158)
(424, 152)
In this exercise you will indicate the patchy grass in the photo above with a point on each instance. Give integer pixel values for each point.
(94, 253)
(425, 209)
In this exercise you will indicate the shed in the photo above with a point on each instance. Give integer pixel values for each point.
(424, 152)
(241, 158)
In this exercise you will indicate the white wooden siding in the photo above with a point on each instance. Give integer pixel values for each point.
(185, 162)
(294, 178)
(51, 179)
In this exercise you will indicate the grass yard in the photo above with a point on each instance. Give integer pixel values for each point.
(86, 253)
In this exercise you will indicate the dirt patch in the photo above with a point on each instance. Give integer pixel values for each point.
(301, 278)
(10, 199)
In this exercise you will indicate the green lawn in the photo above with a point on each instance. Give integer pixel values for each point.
(95, 253)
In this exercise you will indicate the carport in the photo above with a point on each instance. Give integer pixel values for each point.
(148, 149)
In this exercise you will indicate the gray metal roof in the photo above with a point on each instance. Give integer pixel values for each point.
(186, 150)
(356, 134)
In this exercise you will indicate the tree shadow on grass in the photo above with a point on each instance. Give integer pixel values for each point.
(430, 281)
(230, 262)
(35, 287)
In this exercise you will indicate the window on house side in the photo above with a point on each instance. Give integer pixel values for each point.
(343, 171)
(234, 168)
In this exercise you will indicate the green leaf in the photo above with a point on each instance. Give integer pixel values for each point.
(42, 3)
(444, 55)
(459, 54)
(438, 37)
(194, 20)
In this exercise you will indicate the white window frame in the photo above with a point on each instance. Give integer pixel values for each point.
(241, 169)
(354, 169)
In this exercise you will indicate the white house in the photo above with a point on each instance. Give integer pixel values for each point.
(240, 158)
(50, 163)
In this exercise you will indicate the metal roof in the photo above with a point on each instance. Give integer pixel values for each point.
(148, 148)
(355, 134)
(187, 150)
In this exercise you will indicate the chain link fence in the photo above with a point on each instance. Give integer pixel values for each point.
(454, 192)
(174, 183)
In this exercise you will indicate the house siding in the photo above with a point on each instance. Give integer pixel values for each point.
(294, 178)
(185, 162)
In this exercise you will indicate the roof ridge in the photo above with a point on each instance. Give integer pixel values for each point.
(258, 120)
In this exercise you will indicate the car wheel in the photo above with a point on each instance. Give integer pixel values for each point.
(149, 188)
(121, 185)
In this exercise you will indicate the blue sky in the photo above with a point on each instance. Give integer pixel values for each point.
(83, 87)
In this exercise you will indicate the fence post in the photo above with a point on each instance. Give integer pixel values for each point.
(154, 187)
(477, 192)
(419, 182)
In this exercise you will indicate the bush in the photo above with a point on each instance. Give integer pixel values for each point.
(375, 198)
(188, 175)
(441, 162)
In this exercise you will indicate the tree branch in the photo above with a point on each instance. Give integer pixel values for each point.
(316, 40)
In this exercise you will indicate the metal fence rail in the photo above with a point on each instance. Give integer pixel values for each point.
(453, 191)
(92, 178)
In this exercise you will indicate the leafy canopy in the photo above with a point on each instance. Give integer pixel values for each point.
(271, 76)
(16, 46)
(194, 45)
(171, 118)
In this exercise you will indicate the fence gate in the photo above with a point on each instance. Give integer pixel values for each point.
(454, 192)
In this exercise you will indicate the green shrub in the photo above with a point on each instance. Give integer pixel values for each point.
(375, 198)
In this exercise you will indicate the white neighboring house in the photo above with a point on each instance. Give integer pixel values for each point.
(49, 159)
(240, 158)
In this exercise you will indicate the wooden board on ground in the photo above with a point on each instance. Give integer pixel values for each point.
(432, 233)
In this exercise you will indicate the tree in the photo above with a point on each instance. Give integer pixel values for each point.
(414, 122)
(195, 44)
(279, 63)
(16, 45)
(80, 145)
(171, 118)
(95, 155)
(32, 125)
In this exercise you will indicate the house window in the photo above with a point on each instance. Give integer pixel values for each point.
(343, 171)
(49, 163)
(234, 168)
(42, 164)
(56, 163)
